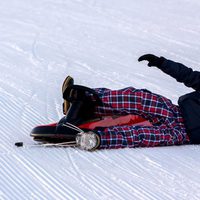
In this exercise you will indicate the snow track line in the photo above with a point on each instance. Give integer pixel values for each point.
(81, 176)
(87, 178)
(119, 165)
(102, 184)
(18, 183)
(54, 188)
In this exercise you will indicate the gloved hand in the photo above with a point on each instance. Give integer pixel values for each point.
(152, 59)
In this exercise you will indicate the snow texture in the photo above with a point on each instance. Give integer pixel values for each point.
(98, 43)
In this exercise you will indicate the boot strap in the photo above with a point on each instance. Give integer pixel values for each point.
(72, 94)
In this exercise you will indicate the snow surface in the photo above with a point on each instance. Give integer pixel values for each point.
(98, 43)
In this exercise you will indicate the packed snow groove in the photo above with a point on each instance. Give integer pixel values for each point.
(98, 43)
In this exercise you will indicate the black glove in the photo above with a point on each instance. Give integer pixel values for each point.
(152, 59)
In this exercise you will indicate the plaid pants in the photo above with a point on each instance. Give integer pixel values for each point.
(167, 121)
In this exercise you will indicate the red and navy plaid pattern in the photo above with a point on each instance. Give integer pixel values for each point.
(167, 129)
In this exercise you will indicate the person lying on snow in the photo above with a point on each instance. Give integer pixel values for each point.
(169, 124)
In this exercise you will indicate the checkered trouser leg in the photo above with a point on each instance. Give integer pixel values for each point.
(167, 129)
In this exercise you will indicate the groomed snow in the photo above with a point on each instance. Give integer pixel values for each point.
(98, 43)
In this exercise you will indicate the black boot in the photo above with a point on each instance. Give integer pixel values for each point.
(83, 102)
(81, 110)
(67, 127)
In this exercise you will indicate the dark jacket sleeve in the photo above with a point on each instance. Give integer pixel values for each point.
(181, 73)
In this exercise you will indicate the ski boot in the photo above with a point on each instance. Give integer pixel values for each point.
(81, 110)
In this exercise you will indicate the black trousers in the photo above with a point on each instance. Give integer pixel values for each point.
(190, 107)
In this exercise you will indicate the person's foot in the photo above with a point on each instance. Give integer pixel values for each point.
(68, 82)
(89, 141)
(61, 132)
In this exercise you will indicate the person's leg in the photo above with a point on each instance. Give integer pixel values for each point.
(167, 129)
(138, 136)
(168, 124)
(190, 104)
(153, 107)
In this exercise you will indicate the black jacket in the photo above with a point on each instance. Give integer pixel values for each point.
(182, 73)
(189, 103)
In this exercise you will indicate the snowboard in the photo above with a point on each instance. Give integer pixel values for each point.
(46, 133)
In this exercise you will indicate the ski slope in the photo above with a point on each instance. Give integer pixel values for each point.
(98, 43)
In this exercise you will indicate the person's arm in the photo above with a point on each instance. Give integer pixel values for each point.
(176, 70)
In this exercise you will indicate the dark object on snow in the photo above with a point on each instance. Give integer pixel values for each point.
(19, 144)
